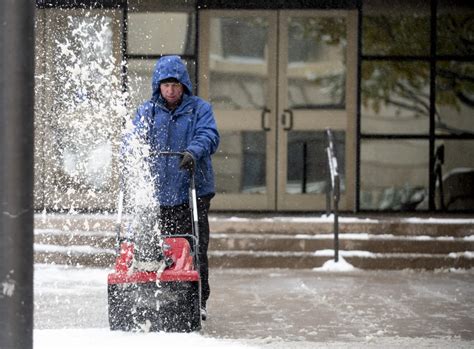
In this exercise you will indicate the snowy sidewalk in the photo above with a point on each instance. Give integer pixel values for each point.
(274, 308)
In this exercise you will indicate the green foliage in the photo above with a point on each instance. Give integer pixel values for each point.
(455, 34)
(396, 35)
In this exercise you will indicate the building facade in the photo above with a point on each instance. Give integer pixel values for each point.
(394, 83)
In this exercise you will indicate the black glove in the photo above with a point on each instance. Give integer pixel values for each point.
(187, 163)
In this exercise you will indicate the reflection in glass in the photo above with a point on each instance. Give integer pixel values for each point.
(238, 62)
(455, 25)
(394, 175)
(161, 33)
(403, 28)
(316, 62)
(239, 164)
(456, 192)
(395, 97)
(307, 161)
(139, 72)
(455, 98)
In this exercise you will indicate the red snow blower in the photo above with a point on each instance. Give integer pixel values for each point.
(166, 300)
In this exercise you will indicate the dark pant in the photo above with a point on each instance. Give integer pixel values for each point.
(178, 220)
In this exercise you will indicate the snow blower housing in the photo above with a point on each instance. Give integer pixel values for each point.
(166, 300)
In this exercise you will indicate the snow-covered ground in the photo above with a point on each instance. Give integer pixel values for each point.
(101, 338)
(335, 306)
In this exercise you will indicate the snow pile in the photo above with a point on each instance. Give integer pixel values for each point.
(433, 220)
(465, 254)
(350, 253)
(340, 266)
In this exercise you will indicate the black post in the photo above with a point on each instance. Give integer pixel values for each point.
(328, 194)
(16, 172)
(336, 193)
(329, 175)
(333, 189)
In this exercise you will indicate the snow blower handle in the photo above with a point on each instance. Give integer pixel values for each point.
(193, 199)
(118, 223)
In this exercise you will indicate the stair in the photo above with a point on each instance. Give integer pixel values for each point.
(384, 243)
(280, 242)
(82, 239)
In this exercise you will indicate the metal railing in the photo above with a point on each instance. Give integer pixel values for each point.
(333, 189)
(438, 173)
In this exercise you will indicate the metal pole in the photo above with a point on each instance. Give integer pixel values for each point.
(304, 182)
(336, 218)
(16, 172)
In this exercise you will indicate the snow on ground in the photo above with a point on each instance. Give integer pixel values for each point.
(273, 309)
(340, 266)
(67, 301)
(101, 338)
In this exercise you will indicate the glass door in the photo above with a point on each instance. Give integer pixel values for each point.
(237, 74)
(316, 90)
(277, 80)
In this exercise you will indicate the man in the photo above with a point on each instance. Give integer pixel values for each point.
(174, 120)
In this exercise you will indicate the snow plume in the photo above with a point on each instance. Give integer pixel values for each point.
(80, 107)
(81, 110)
(89, 70)
(138, 184)
(136, 177)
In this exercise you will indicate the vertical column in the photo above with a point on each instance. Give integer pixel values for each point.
(16, 172)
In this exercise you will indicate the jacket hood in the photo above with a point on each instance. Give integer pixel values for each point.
(170, 67)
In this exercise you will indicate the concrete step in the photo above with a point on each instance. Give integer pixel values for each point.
(57, 237)
(76, 257)
(281, 242)
(359, 259)
(453, 227)
(364, 242)
(375, 225)
(272, 259)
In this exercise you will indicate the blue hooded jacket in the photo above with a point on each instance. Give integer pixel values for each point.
(190, 127)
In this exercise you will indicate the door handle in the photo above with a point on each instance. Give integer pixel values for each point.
(265, 111)
(289, 126)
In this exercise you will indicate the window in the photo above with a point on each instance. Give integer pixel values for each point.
(417, 100)
(156, 28)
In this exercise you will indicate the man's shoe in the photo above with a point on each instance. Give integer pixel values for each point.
(203, 313)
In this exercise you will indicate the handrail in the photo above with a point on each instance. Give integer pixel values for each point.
(333, 189)
(438, 173)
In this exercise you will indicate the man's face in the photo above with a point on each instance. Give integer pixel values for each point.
(172, 93)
